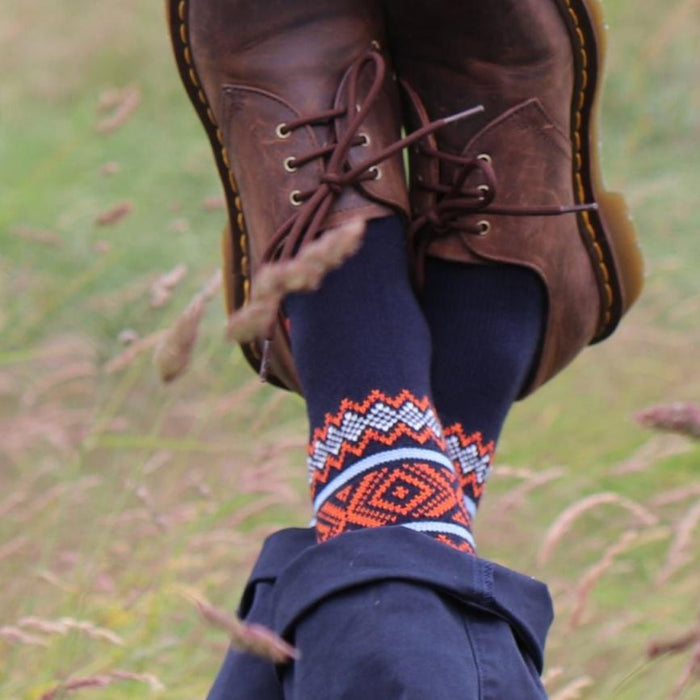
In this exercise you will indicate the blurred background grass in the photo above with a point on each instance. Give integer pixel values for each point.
(118, 494)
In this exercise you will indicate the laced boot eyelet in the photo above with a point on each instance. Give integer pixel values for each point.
(282, 132)
(376, 45)
(485, 157)
(376, 171)
(484, 227)
(365, 139)
(484, 189)
(294, 199)
(289, 165)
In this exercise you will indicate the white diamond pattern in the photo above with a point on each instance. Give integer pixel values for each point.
(469, 459)
(381, 417)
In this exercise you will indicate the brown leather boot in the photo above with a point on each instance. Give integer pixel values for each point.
(520, 183)
(303, 117)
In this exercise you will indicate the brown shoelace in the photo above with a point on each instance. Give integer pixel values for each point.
(457, 201)
(307, 223)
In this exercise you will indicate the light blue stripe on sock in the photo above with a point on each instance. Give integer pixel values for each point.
(403, 453)
(471, 507)
(446, 528)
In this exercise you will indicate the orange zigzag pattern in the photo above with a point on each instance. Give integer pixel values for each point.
(470, 481)
(357, 449)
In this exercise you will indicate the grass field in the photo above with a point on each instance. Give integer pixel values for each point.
(120, 498)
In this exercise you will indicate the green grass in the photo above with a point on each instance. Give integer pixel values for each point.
(117, 493)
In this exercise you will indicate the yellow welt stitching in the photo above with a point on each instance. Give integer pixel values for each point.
(578, 161)
(240, 221)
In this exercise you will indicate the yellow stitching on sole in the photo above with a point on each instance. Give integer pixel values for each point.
(578, 160)
(240, 221)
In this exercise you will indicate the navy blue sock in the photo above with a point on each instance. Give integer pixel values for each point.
(362, 350)
(486, 322)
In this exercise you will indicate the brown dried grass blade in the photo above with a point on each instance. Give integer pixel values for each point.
(255, 639)
(115, 214)
(568, 517)
(174, 352)
(594, 574)
(127, 357)
(573, 690)
(124, 103)
(303, 273)
(162, 289)
(681, 418)
(103, 680)
(681, 550)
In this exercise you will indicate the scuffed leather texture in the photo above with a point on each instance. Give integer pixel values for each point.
(264, 64)
(515, 58)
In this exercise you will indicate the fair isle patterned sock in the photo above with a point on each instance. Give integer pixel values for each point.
(362, 350)
(382, 462)
(486, 322)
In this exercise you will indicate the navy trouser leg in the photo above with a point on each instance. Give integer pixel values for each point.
(386, 614)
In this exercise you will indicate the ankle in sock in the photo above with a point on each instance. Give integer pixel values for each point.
(486, 323)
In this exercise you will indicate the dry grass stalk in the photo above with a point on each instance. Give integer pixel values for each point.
(255, 639)
(515, 497)
(12, 501)
(680, 552)
(513, 472)
(115, 214)
(677, 495)
(551, 675)
(305, 272)
(117, 299)
(674, 646)
(162, 289)
(14, 635)
(568, 517)
(127, 336)
(595, 572)
(212, 286)
(249, 510)
(659, 447)
(127, 357)
(13, 546)
(68, 624)
(691, 674)
(51, 578)
(681, 418)
(101, 681)
(110, 168)
(573, 690)
(123, 103)
(35, 235)
(213, 203)
(69, 373)
(174, 350)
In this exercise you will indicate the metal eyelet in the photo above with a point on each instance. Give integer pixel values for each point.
(289, 165)
(484, 189)
(294, 198)
(365, 139)
(376, 45)
(377, 172)
(484, 227)
(282, 132)
(485, 157)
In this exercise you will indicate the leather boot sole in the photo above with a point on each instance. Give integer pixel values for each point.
(609, 232)
(236, 274)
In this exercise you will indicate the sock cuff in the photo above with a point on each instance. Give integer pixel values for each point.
(472, 458)
(378, 423)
